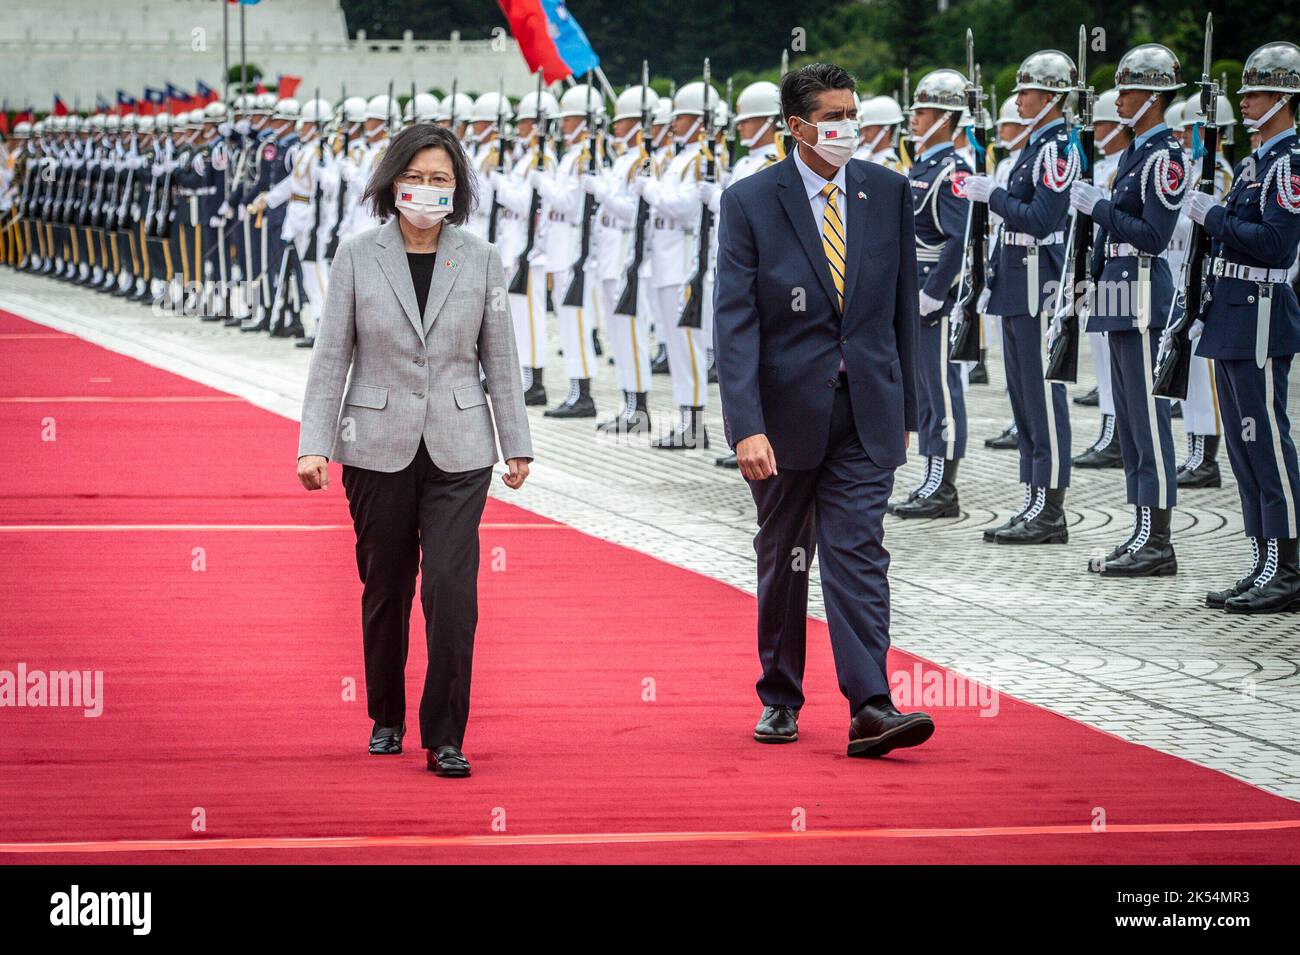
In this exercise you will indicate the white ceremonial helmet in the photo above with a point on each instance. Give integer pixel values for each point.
(576, 99)
(758, 99)
(286, 108)
(315, 111)
(354, 109)
(422, 108)
(381, 107)
(461, 107)
(528, 106)
(689, 100)
(486, 107)
(879, 111)
(1103, 110)
(628, 104)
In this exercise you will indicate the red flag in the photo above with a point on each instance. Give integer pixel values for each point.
(528, 24)
(286, 84)
(60, 108)
(4, 122)
(24, 117)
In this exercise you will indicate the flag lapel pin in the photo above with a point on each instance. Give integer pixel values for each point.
(451, 263)
(862, 195)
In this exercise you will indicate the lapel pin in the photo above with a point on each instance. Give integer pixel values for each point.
(451, 263)
(862, 195)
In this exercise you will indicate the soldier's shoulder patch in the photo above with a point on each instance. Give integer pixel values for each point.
(1289, 199)
(218, 159)
(959, 177)
(269, 152)
(199, 164)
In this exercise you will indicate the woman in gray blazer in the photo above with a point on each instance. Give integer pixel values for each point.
(414, 308)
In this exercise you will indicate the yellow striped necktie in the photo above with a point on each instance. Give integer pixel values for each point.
(833, 241)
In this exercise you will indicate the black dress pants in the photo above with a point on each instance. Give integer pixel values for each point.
(424, 518)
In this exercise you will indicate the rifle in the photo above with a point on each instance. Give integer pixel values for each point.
(388, 117)
(631, 278)
(905, 105)
(964, 339)
(313, 248)
(163, 227)
(692, 315)
(495, 210)
(519, 284)
(1173, 365)
(573, 297)
(1063, 356)
(333, 246)
(729, 131)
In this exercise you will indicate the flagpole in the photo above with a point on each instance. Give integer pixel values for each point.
(225, 51)
(243, 59)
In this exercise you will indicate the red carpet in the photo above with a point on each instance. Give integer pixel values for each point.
(223, 687)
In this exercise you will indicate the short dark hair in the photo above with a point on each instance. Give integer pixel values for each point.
(800, 88)
(401, 150)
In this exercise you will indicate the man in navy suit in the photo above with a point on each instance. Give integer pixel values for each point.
(815, 325)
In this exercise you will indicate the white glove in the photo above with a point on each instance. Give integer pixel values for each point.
(982, 305)
(214, 222)
(243, 213)
(638, 185)
(224, 210)
(135, 211)
(591, 184)
(1199, 204)
(1194, 332)
(979, 188)
(157, 169)
(929, 304)
(708, 192)
(535, 179)
(1166, 341)
(1084, 196)
(496, 178)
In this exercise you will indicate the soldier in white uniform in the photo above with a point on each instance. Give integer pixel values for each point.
(1201, 409)
(380, 115)
(615, 241)
(674, 199)
(1111, 138)
(562, 207)
(881, 117)
(515, 189)
(489, 112)
(454, 113)
(662, 149)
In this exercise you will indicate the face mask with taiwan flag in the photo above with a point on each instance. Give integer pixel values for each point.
(836, 140)
(422, 206)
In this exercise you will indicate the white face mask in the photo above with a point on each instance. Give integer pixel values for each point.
(836, 140)
(423, 206)
(752, 140)
(243, 127)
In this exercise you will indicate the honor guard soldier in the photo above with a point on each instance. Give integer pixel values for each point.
(380, 115)
(422, 108)
(675, 206)
(201, 180)
(562, 207)
(1030, 254)
(618, 230)
(938, 176)
(489, 110)
(758, 123)
(663, 148)
(881, 117)
(1201, 409)
(523, 245)
(1252, 328)
(1112, 137)
(277, 308)
(455, 112)
(1135, 225)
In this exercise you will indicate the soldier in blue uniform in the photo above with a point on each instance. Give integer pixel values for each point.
(1132, 303)
(1252, 328)
(1029, 260)
(938, 179)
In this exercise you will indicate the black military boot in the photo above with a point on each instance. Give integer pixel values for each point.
(1009, 439)
(991, 533)
(1150, 553)
(1201, 469)
(1215, 599)
(979, 375)
(308, 342)
(938, 498)
(690, 432)
(1277, 588)
(534, 390)
(915, 492)
(1104, 452)
(1090, 399)
(1095, 564)
(1043, 523)
(577, 404)
(659, 363)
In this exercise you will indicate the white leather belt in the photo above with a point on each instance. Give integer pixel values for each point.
(1115, 250)
(1024, 238)
(1251, 273)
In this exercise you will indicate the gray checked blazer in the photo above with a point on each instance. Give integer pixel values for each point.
(414, 375)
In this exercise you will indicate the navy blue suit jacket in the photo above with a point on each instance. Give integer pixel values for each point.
(778, 333)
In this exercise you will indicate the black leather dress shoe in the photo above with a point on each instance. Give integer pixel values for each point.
(878, 727)
(1089, 399)
(778, 724)
(448, 761)
(1009, 439)
(386, 740)
(728, 461)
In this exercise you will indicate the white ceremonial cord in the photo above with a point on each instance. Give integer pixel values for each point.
(1287, 192)
(1161, 161)
(1046, 163)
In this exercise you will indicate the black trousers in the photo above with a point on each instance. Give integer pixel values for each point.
(836, 510)
(426, 519)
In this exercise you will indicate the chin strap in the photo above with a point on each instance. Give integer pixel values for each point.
(762, 131)
(919, 144)
(1132, 120)
(1255, 124)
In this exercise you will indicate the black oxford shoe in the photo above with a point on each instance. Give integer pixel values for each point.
(448, 761)
(778, 724)
(386, 740)
(878, 728)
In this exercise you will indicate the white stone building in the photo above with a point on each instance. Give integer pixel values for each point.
(81, 48)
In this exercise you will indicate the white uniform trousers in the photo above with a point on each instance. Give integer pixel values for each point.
(576, 323)
(529, 315)
(688, 360)
(629, 336)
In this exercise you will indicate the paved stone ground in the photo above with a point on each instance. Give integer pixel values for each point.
(1140, 659)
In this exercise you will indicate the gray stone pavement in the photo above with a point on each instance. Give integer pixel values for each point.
(1140, 659)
